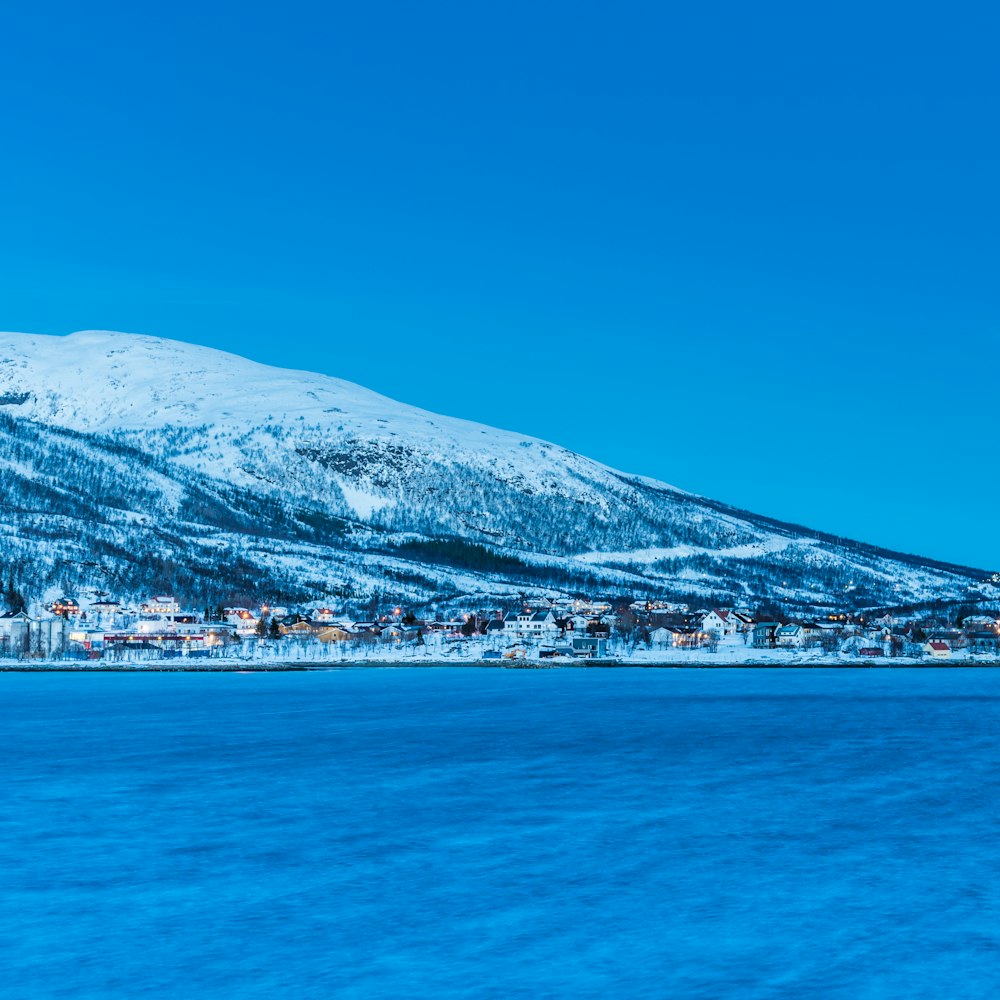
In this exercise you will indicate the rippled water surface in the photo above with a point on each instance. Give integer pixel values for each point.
(492, 833)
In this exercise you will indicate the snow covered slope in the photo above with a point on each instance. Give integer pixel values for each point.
(314, 485)
(99, 381)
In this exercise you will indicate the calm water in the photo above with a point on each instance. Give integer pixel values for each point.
(474, 833)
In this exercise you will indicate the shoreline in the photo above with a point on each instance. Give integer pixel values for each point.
(155, 667)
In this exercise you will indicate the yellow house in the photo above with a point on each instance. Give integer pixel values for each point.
(335, 634)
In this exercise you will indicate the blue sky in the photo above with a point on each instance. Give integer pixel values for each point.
(751, 250)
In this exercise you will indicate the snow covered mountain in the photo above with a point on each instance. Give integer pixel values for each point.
(138, 463)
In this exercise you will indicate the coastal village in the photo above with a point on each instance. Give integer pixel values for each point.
(559, 630)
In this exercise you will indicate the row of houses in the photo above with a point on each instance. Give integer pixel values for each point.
(878, 638)
(105, 627)
(550, 626)
(307, 627)
(883, 635)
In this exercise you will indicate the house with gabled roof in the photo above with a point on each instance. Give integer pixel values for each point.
(720, 621)
(530, 623)
(979, 623)
(937, 648)
(67, 607)
(448, 627)
(764, 634)
(335, 633)
(161, 604)
(297, 625)
(398, 634)
(666, 636)
(324, 616)
(789, 636)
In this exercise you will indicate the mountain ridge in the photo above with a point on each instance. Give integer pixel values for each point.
(252, 462)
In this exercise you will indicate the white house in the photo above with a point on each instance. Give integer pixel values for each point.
(162, 604)
(325, 616)
(722, 622)
(543, 624)
(663, 637)
(789, 636)
(530, 623)
(875, 635)
(938, 649)
(979, 622)
(243, 619)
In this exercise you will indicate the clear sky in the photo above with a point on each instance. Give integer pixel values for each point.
(749, 249)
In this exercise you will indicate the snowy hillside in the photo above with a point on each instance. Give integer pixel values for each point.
(234, 417)
(138, 463)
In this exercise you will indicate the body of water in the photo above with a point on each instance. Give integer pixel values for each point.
(459, 833)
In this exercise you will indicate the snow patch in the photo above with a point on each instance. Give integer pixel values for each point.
(645, 557)
(363, 504)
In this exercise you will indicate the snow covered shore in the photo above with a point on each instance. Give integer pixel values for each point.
(319, 656)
